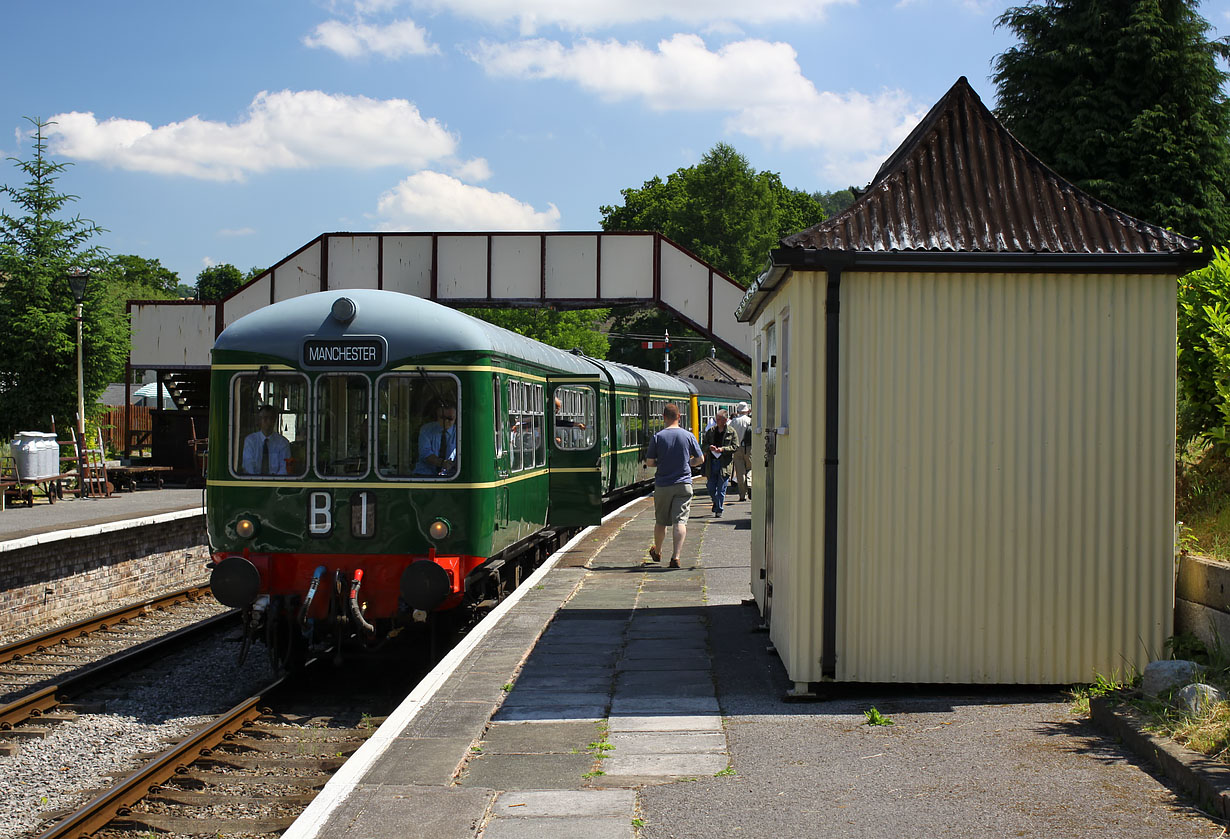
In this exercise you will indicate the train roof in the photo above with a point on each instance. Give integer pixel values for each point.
(706, 387)
(412, 326)
(636, 377)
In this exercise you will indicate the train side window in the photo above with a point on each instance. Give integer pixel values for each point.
(574, 418)
(498, 412)
(514, 426)
(419, 426)
(342, 428)
(269, 425)
(540, 443)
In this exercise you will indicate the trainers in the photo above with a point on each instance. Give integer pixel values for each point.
(674, 563)
(717, 514)
(655, 554)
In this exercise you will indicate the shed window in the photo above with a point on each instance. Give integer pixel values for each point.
(784, 368)
(758, 394)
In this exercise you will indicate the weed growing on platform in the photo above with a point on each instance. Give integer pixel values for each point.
(1101, 686)
(874, 717)
(725, 773)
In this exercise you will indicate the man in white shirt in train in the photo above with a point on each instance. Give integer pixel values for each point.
(265, 451)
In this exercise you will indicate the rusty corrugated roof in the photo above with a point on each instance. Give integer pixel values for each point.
(961, 183)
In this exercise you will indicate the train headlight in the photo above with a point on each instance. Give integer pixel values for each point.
(246, 528)
(439, 529)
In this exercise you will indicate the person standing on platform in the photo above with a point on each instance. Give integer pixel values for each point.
(720, 445)
(673, 452)
(742, 424)
(265, 451)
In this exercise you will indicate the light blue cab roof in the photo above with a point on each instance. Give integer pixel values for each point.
(411, 326)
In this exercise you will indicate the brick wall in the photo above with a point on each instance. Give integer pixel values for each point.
(65, 580)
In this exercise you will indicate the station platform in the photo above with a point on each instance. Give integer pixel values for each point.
(20, 525)
(612, 697)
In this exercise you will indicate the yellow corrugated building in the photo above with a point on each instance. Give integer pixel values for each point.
(964, 400)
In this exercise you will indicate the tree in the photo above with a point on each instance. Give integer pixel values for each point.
(38, 249)
(726, 213)
(565, 330)
(217, 281)
(139, 272)
(1124, 98)
(721, 209)
(834, 202)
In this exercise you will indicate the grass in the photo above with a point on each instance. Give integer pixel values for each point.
(1202, 501)
(874, 717)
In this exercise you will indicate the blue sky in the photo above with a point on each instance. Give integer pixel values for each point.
(237, 131)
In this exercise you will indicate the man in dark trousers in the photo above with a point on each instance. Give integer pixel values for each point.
(720, 445)
(673, 451)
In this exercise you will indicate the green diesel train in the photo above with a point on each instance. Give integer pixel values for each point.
(377, 460)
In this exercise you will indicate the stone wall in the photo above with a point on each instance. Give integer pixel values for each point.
(1202, 601)
(61, 580)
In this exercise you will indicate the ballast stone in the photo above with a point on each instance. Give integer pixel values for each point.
(1162, 676)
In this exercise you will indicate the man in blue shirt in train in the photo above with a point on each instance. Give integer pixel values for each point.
(438, 444)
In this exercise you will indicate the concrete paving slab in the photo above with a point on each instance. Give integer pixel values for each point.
(566, 828)
(652, 678)
(679, 662)
(670, 765)
(667, 648)
(449, 718)
(509, 772)
(665, 722)
(539, 738)
(536, 698)
(563, 659)
(548, 803)
(425, 761)
(666, 742)
(549, 713)
(656, 705)
(409, 812)
(540, 680)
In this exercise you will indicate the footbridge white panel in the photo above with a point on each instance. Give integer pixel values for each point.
(565, 270)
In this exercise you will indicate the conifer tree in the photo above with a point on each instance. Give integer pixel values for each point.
(1124, 98)
(38, 249)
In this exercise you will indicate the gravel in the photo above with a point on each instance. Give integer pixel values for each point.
(81, 756)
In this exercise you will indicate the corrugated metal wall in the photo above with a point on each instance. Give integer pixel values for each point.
(1007, 476)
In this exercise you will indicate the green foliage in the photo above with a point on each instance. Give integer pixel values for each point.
(141, 273)
(721, 209)
(874, 717)
(38, 249)
(1125, 99)
(565, 330)
(217, 281)
(1203, 346)
(834, 202)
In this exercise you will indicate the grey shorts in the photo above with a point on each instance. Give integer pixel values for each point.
(672, 503)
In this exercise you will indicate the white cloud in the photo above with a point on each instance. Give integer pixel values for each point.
(435, 201)
(283, 130)
(758, 83)
(237, 231)
(352, 40)
(593, 14)
(473, 171)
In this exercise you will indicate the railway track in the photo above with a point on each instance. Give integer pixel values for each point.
(251, 770)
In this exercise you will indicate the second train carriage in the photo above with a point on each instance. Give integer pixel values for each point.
(347, 523)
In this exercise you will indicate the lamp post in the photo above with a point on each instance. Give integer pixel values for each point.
(77, 281)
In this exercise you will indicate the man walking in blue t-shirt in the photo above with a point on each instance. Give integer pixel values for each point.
(673, 451)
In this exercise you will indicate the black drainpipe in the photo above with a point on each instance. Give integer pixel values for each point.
(832, 369)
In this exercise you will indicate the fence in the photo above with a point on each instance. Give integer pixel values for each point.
(112, 425)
